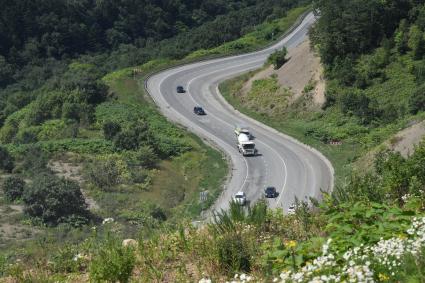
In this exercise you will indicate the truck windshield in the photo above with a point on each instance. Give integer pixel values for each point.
(249, 146)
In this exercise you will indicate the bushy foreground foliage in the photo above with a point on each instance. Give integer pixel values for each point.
(351, 235)
(372, 241)
(112, 262)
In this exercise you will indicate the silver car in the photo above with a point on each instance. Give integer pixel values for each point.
(292, 208)
(240, 198)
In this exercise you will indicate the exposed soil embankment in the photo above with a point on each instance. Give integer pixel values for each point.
(303, 69)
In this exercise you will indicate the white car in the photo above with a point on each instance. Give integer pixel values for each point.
(240, 198)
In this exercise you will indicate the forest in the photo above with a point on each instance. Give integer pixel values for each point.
(358, 41)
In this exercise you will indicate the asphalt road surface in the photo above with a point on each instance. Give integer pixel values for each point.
(294, 169)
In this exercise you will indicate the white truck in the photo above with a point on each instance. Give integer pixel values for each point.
(245, 146)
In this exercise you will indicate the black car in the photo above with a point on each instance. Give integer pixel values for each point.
(180, 89)
(198, 110)
(270, 192)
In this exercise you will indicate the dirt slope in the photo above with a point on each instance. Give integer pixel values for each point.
(406, 140)
(302, 68)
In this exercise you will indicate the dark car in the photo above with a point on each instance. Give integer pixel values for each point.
(198, 110)
(180, 89)
(270, 192)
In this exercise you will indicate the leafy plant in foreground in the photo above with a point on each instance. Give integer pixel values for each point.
(112, 262)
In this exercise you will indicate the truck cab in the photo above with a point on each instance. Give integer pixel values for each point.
(243, 130)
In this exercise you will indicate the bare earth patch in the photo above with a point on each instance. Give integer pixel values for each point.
(10, 227)
(403, 142)
(406, 140)
(303, 68)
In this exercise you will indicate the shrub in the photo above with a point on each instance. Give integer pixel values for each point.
(34, 160)
(27, 135)
(65, 259)
(233, 253)
(112, 262)
(166, 146)
(13, 188)
(107, 171)
(144, 157)
(6, 160)
(132, 137)
(54, 200)
(278, 58)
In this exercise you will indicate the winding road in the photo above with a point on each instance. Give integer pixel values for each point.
(296, 170)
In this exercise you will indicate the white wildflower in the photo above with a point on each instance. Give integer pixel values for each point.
(107, 220)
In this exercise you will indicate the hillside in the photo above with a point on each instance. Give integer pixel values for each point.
(66, 113)
(89, 133)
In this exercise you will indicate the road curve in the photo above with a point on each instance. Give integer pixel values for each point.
(296, 170)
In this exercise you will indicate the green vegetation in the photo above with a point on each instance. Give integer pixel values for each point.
(112, 263)
(278, 58)
(351, 233)
(6, 160)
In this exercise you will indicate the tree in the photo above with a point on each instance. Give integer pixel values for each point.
(357, 103)
(54, 200)
(416, 42)
(278, 58)
(6, 72)
(111, 129)
(6, 160)
(71, 111)
(401, 37)
(417, 100)
(13, 188)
